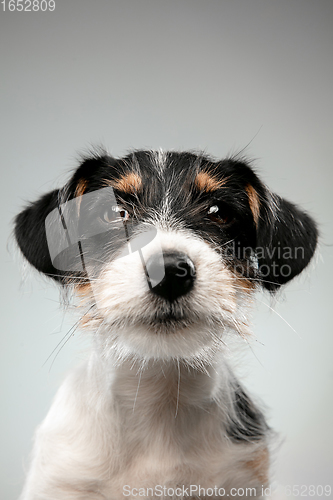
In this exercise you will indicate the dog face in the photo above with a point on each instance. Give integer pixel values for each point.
(165, 249)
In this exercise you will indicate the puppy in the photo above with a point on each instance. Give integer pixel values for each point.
(164, 251)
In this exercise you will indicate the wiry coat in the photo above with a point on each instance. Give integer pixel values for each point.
(156, 403)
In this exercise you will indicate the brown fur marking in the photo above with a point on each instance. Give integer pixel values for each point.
(81, 187)
(83, 288)
(128, 183)
(253, 202)
(207, 182)
(260, 466)
(245, 283)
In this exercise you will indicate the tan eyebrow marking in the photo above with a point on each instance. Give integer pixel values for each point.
(79, 191)
(128, 183)
(81, 187)
(254, 202)
(207, 182)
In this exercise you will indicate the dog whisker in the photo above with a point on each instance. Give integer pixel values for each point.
(137, 390)
(280, 316)
(178, 389)
(64, 340)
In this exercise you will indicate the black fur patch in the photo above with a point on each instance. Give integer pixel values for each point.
(229, 226)
(249, 423)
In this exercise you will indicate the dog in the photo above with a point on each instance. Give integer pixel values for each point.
(164, 252)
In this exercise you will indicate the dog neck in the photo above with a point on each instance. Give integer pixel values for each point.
(149, 386)
(168, 387)
(169, 383)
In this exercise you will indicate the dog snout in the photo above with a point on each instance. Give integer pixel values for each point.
(179, 274)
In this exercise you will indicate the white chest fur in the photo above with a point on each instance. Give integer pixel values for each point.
(117, 433)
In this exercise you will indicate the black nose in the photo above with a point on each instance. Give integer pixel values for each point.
(178, 278)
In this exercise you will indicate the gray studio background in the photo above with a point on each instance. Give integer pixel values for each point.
(184, 74)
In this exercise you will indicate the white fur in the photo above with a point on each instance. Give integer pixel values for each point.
(150, 407)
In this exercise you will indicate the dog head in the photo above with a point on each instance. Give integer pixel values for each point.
(166, 248)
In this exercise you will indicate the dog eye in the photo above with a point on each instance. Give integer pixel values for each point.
(213, 209)
(109, 215)
(220, 214)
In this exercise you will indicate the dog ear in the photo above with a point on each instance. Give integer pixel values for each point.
(37, 230)
(30, 234)
(286, 241)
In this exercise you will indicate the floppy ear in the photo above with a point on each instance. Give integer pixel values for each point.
(286, 241)
(31, 235)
